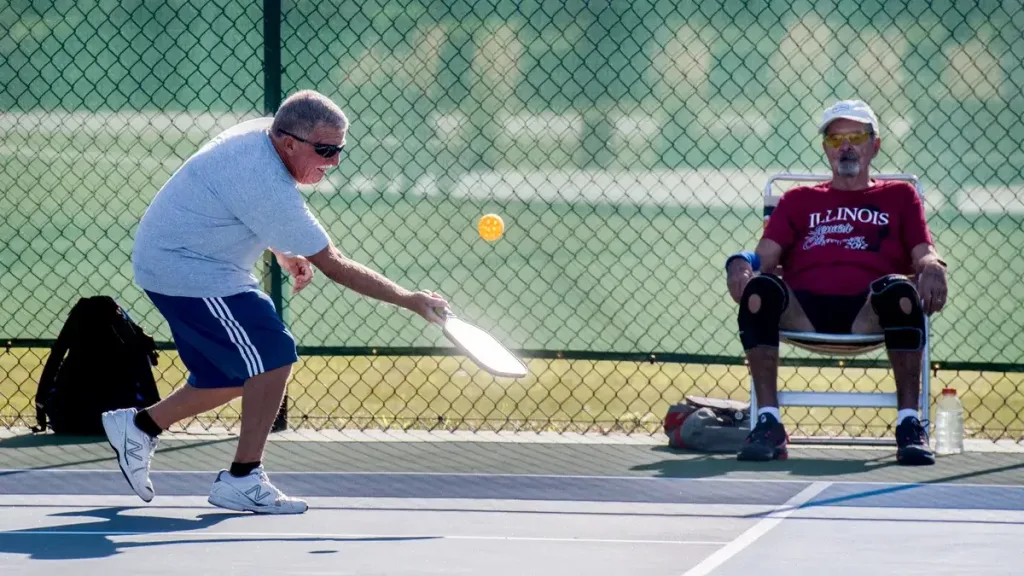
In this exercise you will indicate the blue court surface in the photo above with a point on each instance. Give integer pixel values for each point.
(73, 511)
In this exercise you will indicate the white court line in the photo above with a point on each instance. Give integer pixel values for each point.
(757, 530)
(589, 540)
(320, 535)
(938, 481)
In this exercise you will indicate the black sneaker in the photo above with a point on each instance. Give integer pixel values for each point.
(767, 441)
(912, 447)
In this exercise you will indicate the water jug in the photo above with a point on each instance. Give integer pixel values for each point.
(949, 423)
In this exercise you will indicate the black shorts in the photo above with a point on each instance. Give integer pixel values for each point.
(831, 314)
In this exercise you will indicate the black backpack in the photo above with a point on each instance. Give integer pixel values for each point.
(108, 365)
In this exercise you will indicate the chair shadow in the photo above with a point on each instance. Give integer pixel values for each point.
(705, 465)
(76, 543)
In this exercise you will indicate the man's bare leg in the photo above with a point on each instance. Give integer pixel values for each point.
(906, 366)
(189, 401)
(764, 360)
(240, 488)
(261, 399)
(764, 370)
(760, 320)
(911, 435)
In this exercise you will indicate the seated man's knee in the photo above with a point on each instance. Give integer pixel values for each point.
(895, 300)
(764, 300)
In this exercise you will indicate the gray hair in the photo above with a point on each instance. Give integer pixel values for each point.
(303, 111)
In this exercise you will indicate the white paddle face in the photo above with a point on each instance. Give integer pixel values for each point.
(484, 349)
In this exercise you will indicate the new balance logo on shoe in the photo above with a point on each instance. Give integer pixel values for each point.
(132, 452)
(256, 494)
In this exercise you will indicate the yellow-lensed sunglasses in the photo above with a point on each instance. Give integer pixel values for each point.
(854, 138)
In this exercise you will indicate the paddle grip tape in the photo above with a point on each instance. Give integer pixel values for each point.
(903, 332)
(762, 328)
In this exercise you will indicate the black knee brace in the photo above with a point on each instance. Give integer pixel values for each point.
(904, 332)
(762, 328)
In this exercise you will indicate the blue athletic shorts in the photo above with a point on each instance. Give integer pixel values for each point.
(225, 341)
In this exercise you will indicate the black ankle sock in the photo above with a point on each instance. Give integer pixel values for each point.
(240, 469)
(145, 423)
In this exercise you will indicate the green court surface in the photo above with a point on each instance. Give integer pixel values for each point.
(518, 455)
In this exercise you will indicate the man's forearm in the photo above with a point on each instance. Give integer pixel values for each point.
(280, 256)
(361, 279)
(769, 255)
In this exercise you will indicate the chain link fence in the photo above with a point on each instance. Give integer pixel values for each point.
(625, 144)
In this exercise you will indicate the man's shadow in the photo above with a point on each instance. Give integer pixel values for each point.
(77, 541)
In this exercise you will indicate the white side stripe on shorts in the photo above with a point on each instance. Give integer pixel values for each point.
(237, 335)
(258, 362)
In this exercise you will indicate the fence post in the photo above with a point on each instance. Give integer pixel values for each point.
(271, 101)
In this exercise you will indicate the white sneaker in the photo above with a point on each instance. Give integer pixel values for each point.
(253, 493)
(134, 449)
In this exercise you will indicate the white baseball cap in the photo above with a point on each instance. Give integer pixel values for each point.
(855, 110)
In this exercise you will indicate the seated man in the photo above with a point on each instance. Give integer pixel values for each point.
(847, 248)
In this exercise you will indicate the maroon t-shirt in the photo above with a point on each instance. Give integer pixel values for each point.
(838, 241)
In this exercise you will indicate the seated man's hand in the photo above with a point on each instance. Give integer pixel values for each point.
(738, 274)
(931, 285)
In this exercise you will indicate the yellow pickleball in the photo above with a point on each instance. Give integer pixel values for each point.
(490, 227)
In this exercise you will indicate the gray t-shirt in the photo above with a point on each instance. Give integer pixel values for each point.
(218, 213)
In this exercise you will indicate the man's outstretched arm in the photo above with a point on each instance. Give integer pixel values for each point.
(367, 282)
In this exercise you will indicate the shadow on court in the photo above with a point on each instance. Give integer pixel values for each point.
(76, 543)
(69, 451)
(683, 464)
(811, 464)
(36, 440)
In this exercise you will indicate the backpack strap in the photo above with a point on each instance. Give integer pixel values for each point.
(147, 342)
(144, 345)
(48, 379)
(732, 411)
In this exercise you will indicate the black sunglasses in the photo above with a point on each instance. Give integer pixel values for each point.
(325, 150)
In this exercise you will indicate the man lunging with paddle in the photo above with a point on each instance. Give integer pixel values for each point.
(194, 253)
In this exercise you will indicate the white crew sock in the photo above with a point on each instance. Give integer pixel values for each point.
(773, 410)
(906, 413)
